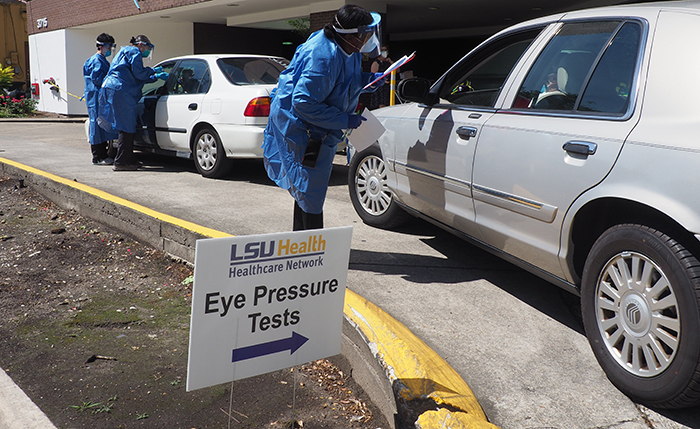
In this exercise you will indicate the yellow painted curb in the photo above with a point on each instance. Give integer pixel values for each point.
(419, 371)
(121, 201)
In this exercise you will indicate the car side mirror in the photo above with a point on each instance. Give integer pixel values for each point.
(416, 89)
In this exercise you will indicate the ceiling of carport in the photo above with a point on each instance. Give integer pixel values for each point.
(406, 19)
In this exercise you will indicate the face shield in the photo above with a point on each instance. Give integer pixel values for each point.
(370, 35)
(148, 52)
(109, 47)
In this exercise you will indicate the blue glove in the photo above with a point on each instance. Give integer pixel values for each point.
(379, 82)
(355, 121)
(162, 75)
(157, 69)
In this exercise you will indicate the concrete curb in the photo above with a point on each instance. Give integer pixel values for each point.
(68, 120)
(415, 372)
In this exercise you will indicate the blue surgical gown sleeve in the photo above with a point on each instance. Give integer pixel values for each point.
(141, 72)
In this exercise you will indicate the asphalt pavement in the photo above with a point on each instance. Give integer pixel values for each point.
(512, 337)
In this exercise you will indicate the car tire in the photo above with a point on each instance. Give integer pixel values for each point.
(209, 154)
(371, 197)
(639, 301)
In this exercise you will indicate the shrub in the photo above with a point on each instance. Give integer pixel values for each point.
(16, 107)
(6, 76)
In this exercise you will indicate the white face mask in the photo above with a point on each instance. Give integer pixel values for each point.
(385, 54)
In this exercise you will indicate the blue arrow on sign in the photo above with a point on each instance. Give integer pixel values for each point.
(292, 344)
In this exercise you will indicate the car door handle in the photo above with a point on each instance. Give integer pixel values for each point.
(580, 148)
(192, 106)
(466, 132)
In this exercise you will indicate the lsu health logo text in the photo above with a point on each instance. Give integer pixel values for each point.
(265, 257)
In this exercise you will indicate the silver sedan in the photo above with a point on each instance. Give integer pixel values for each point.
(569, 146)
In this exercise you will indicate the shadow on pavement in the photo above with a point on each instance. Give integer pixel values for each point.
(460, 255)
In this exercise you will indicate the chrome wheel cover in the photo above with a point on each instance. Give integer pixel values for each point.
(637, 314)
(370, 183)
(205, 150)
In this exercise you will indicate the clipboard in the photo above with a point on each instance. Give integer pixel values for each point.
(402, 61)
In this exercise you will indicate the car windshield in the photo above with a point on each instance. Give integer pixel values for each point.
(252, 71)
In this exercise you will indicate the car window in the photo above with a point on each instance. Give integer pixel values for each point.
(158, 87)
(564, 68)
(608, 90)
(479, 78)
(252, 71)
(187, 77)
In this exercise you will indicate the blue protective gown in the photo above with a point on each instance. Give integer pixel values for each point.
(121, 90)
(318, 91)
(94, 71)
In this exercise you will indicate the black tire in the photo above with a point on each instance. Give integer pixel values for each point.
(209, 155)
(640, 299)
(371, 198)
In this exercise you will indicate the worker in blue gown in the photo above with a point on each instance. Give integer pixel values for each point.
(314, 102)
(120, 93)
(94, 71)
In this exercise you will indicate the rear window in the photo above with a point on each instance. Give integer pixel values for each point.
(252, 71)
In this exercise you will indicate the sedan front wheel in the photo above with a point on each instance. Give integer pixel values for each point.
(639, 299)
(370, 195)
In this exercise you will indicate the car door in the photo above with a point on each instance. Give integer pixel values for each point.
(564, 129)
(179, 110)
(435, 144)
(152, 92)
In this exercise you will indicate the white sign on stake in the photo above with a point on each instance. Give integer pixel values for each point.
(266, 302)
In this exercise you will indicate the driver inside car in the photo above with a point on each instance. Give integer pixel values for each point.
(186, 83)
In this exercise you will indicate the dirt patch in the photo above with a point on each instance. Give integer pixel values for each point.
(94, 328)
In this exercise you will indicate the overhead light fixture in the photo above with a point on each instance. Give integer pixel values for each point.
(433, 8)
(287, 43)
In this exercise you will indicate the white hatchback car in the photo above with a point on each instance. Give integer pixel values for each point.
(569, 145)
(212, 108)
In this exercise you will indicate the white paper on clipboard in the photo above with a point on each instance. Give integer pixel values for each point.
(366, 134)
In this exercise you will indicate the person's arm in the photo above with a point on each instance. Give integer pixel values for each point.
(141, 72)
(375, 67)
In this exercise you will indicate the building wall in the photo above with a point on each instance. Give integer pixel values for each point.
(13, 38)
(66, 13)
(61, 54)
(319, 19)
(49, 61)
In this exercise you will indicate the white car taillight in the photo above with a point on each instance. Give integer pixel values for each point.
(259, 107)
